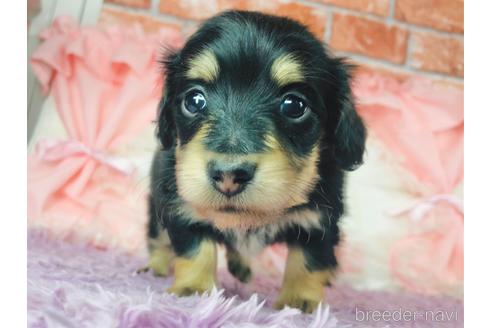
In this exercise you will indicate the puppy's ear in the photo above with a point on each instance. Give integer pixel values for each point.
(166, 130)
(350, 132)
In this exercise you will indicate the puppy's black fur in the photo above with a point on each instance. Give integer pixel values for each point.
(243, 105)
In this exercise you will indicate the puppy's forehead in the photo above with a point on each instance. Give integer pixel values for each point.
(249, 47)
(203, 66)
(246, 59)
(284, 68)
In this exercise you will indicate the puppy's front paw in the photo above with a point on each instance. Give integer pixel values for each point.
(302, 288)
(159, 262)
(195, 274)
(158, 271)
(188, 290)
(302, 303)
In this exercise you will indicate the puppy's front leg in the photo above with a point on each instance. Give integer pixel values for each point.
(195, 271)
(306, 275)
(158, 243)
(160, 255)
(195, 263)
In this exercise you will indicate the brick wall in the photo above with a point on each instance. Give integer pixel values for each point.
(398, 37)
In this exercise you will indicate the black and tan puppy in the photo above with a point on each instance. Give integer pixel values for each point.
(257, 125)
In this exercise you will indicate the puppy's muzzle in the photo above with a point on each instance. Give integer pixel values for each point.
(230, 179)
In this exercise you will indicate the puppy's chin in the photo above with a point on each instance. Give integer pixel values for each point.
(232, 217)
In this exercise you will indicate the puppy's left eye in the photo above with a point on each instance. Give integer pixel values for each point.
(293, 106)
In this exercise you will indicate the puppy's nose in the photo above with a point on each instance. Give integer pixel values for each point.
(230, 179)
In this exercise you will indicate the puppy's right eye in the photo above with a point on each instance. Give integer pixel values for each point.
(194, 102)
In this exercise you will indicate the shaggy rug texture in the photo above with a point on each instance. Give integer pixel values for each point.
(74, 285)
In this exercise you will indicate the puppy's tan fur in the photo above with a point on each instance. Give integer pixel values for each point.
(197, 272)
(160, 255)
(286, 69)
(301, 288)
(204, 67)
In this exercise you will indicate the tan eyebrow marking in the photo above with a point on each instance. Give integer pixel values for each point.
(286, 69)
(204, 66)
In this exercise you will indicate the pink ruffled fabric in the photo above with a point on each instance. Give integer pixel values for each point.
(430, 258)
(106, 85)
(422, 125)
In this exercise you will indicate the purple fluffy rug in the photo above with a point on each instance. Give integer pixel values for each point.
(72, 285)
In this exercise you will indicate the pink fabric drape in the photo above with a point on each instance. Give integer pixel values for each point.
(422, 125)
(106, 85)
(431, 257)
